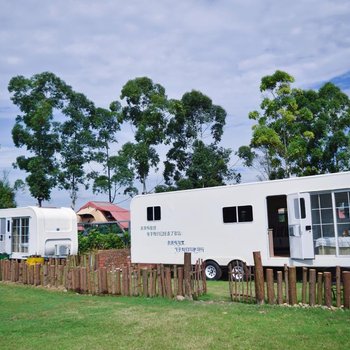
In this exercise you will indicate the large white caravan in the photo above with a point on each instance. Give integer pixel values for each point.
(46, 232)
(297, 221)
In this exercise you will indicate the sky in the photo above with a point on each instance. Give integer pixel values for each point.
(220, 47)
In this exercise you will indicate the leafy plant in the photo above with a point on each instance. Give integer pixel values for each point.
(94, 239)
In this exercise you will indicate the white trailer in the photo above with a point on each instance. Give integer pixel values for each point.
(33, 231)
(297, 221)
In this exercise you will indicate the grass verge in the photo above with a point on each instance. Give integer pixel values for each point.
(35, 318)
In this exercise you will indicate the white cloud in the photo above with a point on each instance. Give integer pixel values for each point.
(222, 47)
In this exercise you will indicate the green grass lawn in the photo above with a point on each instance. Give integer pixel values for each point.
(35, 318)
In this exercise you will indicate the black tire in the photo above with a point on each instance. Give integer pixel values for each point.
(238, 270)
(213, 271)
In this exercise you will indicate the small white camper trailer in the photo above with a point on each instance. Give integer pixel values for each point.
(45, 232)
(297, 221)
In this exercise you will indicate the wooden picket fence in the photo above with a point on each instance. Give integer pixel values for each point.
(281, 287)
(80, 275)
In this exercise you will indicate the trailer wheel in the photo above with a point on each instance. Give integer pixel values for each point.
(238, 270)
(212, 271)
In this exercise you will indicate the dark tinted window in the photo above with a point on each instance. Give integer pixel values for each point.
(156, 213)
(150, 213)
(153, 213)
(245, 213)
(229, 214)
(302, 208)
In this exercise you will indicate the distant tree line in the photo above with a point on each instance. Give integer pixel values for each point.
(296, 132)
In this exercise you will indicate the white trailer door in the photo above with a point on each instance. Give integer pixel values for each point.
(300, 226)
(5, 235)
(2, 234)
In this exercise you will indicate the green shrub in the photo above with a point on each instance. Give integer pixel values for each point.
(97, 240)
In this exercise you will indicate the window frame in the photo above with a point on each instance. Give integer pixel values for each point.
(154, 213)
(237, 214)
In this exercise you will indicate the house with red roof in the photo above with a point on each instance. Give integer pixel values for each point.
(95, 212)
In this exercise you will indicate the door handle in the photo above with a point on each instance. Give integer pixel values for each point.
(308, 228)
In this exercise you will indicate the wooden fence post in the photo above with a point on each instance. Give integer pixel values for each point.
(338, 285)
(52, 274)
(37, 269)
(154, 283)
(328, 289)
(175, 279)
(293, 285)
(259, 278)
(168, 286)
(187, 274)
(125, 286)
(138, 280)
(279, 288)
(204, 278)
(16, 271)
(45, 274)
(60, 274)
(162, 279)
(286, 282)
(180, 280)
(13, 270)
(160, 284)
(304, 287)
(270, 286)
(25, 273)
(118, 285)
(346, 289)
(319, 288)
(312, 287)
(31, 274)
(83, 280)
(151, 283)
(103, 280)
(20, 277)
(145, 282)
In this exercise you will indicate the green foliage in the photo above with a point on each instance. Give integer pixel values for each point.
(115, 173)
(298, 132)
(146, 110)
(96, 239)
(195, 160)
(38, 98)
(7, 193)
(120, 174)
(75, 136)
(63, 131)
(207, 167)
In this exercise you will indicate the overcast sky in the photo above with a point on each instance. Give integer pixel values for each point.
(221, 48)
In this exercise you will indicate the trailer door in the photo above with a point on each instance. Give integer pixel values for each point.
(300, 226)
(5, 235)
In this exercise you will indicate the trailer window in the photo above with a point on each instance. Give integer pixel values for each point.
(153, 213)
(299, 208)
(20, 235)
(229, 214)
(302, 208)
(2, 226)
(244, 213)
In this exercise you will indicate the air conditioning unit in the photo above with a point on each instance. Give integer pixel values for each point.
(61, 249)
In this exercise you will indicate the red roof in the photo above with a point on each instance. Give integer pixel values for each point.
(118, 213)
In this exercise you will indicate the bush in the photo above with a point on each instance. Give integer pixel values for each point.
(96, 240)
